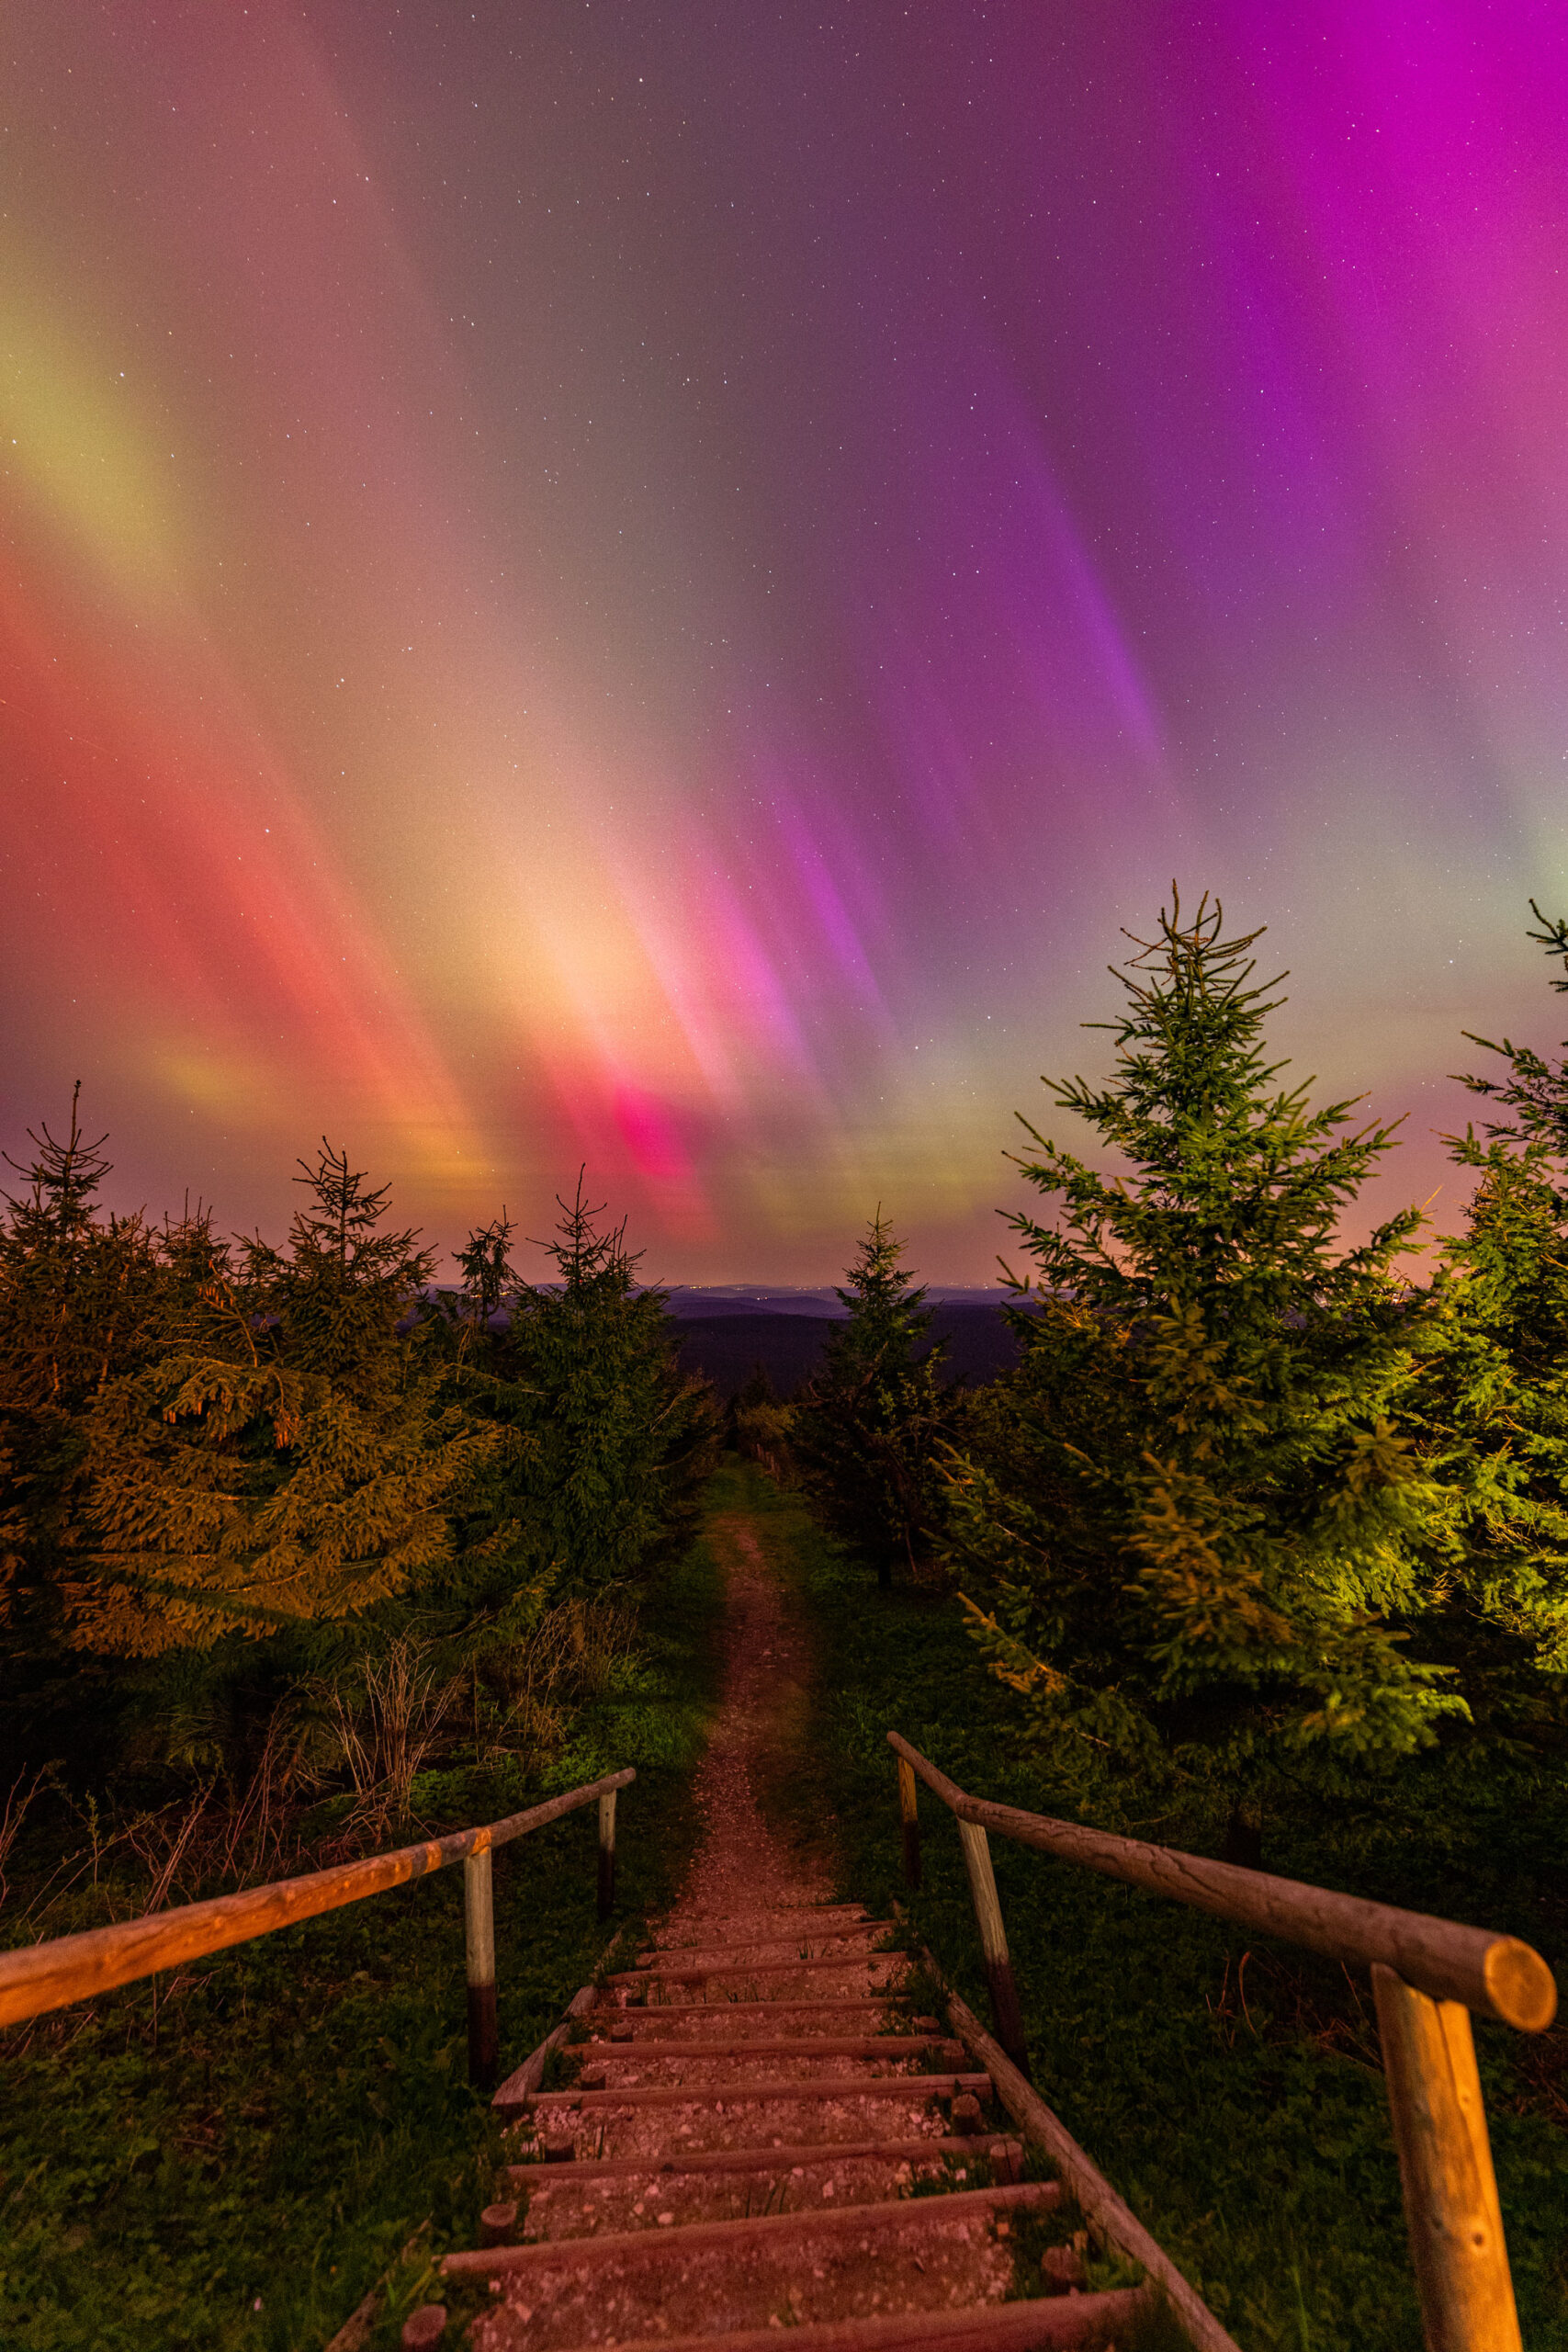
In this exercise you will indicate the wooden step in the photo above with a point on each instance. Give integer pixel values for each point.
(764, 1927)
(578, 2199)
(761, 1950)
(757, 2159)
(745, 2093)
(717, 1925)
(743, 2018)
(835, 2263)
(648, 2047)
(675, 2122)
(801, 2060)
(848, 1966)
(1052, 2325)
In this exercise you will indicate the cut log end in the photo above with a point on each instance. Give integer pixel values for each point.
(498, 2224)
(1521, 1987)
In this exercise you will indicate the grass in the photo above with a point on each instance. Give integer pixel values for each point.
(232, 2161)
(1238, 2108)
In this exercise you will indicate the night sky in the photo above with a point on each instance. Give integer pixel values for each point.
(650, 582)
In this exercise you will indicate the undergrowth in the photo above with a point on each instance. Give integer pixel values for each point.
(232, 2160)
(1230, 2088)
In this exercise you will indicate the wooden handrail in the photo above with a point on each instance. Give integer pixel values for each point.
(50, 1975)
(1496, 1975)
(1427, 1975)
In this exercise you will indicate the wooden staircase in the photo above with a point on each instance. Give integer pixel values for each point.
(762, 2133)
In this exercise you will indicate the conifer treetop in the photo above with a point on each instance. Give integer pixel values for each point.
(1234, 1184)
(65, 1176)
(887, 1311)
(1535, 1091)
(589, 1259)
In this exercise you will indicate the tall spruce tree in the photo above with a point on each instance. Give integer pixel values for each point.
(867, 1431)
(290, 1456)
(616, 1443)
(85, 1299)
(1190, 1517)
(1493, 1401)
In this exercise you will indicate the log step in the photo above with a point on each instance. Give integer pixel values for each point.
(726, 2015)
(746, 2093)
(728, 2160)
(716, 1926)
(858, 2261)
(850, 1965)
(582, 2200)
(647, 2048)
(1056, 2325)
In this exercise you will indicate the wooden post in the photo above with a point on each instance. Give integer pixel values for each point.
(910, 1822)
(479, 1919)
(606, 1854)
(1445, 2164)
(1005, 2011)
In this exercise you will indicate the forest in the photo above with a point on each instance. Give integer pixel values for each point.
(1262, 1547)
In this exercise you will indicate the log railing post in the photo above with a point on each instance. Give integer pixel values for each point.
(606, 1854)
(910, 1821)
(1445, 2164)
(1005, 2011)
(478, 1920)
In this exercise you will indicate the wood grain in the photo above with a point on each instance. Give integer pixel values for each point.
(1498, 1976)
(75, 1968)
(1445, 2164)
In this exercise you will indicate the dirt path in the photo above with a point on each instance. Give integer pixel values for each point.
(744, 1863)
(760, 2131)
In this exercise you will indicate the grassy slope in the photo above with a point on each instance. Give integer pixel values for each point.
(240, 2178)
(1261, 2156)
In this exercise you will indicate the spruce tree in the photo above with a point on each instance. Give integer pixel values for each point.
(85, 1299)
(1533, 1096)
(335, 1297)
(1493, 1394)
(290, 1456)
(615, 1441)
(867, 1430)
(1192, 1516)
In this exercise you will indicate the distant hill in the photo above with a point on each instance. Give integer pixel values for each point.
(728, 1346)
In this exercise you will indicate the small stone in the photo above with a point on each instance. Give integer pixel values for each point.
(424, 2326)
(1061, 2268)
(666, 2221)
(594, 2078)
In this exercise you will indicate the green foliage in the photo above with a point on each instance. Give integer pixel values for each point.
(761, 1426)
(867, 1430)
(333, 1300)
(1247, 2129)
(1534, 1094)
(85, 1302)
(616, 1443)
(232, 2159)
(1492, 1405)
(1191, 1513)
(290, 1457)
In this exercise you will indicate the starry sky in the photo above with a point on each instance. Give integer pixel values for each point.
(650, 581)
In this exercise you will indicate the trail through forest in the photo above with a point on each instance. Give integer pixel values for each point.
(744, 1862)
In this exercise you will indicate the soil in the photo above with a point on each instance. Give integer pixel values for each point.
(755, 1855)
